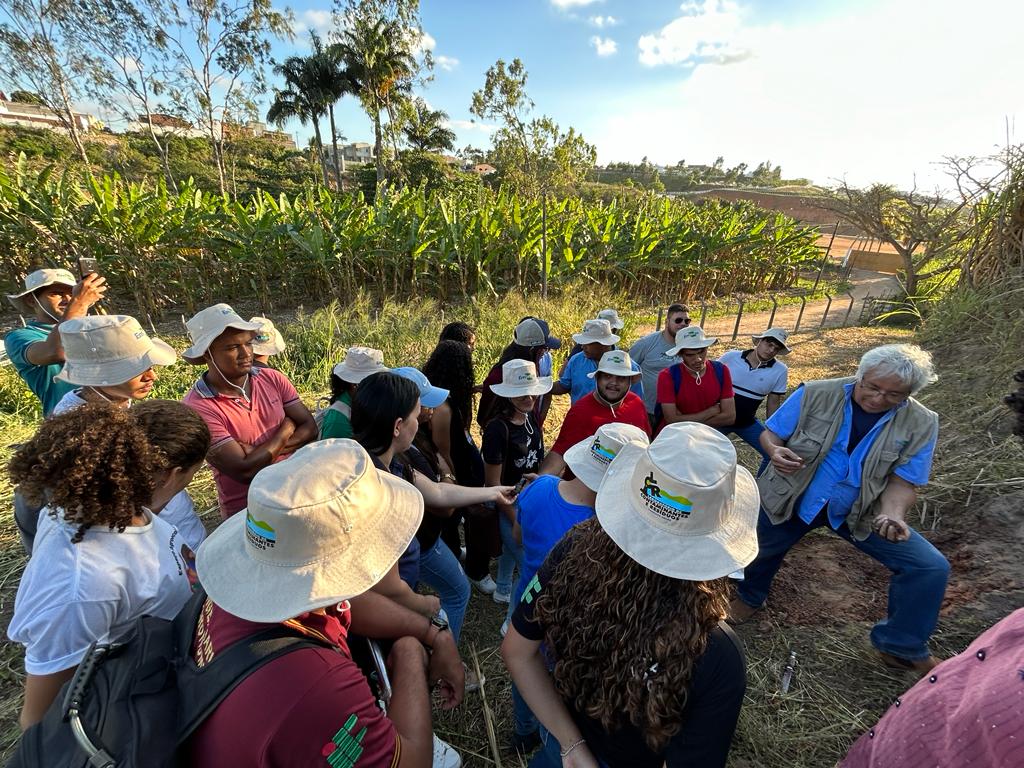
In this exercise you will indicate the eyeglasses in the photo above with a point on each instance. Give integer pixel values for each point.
(681, 320)
(893, 397)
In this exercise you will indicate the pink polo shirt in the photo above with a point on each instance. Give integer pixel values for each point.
(230, 417)
(969, 711)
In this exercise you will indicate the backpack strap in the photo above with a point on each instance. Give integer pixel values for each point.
(718, 368)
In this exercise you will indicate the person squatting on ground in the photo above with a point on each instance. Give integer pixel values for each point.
(51, 296)
(254, 414)
(595, 340)
(318, 533)
(648, 352)
(848, 454)
(757, 374)
(644, 671)
(611, 401)
(512, 447)
(359, 363)
(102, 557)
(695, 388)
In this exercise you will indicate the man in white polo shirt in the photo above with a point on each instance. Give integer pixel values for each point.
(757, 374)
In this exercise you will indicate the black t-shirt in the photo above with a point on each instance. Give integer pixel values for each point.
(863, 422)
(468, 466)
(712, 708)
(430, 527)
(519, 448)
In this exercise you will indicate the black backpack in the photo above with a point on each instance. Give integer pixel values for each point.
(134, 703)
(676, 372)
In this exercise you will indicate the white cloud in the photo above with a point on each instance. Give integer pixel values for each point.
(603, 21)
(605, 46)
(563, 4)
(425, 43)
(447, 63)
(471, 125)
(707, 31)
(312, 20)
(876, 93)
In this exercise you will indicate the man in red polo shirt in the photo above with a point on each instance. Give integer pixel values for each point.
(695, 388)
(319, 531)
(254, 414)
(611, 401)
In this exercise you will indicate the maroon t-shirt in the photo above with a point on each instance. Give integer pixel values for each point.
(588, 413)
(310, 707)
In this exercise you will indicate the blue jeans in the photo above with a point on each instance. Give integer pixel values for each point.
(918, 584)
(440, 569)
(751, 436)
(511, 558)
(550, 753)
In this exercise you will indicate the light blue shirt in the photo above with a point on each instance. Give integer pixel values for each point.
(838, 478)
(575, 379)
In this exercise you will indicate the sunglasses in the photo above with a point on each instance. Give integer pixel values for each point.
(681, 321)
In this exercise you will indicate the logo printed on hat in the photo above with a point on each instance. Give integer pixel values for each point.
(259, 534)
(600, 453)
(665, 505)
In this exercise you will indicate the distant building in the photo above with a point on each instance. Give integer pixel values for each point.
(356, 152)
(483, 169)
(38, 116)
(257, 130)
(166, 125)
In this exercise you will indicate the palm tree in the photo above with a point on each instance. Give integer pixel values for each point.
(331, 81)
(379, 61)
(426, 130)
(298, 99)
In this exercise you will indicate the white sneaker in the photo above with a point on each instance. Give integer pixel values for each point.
(504, 628)
(504, 598)
(485, 585)
(445, 755)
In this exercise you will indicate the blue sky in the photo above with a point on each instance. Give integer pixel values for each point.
(867, 90)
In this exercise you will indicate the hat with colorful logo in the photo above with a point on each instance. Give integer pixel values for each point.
(691, 337)
(106, 350)
(320, 527)
(681, 507)
(615, 362)
(519, 378)
(269, 340)
(359, 363)
(775, 334)
(430, 396)
(597, 331)
(41, 278)
(206, 325)
(589, 458)
(612, 316)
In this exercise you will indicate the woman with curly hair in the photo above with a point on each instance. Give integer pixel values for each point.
(631, 607)
(102, 555)
(459, 331)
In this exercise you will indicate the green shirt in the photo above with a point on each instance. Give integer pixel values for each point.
(39, 378)
(337, 421)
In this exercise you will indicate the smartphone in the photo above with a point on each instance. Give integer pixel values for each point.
(88, 266)
(381, 676)
(519, 486)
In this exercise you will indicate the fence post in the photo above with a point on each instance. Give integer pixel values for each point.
(827, 307)
(775, 306)
(803, 305)
(739, 316)
(849, 309)
(657, 325)
(703, 312)
(824, 261)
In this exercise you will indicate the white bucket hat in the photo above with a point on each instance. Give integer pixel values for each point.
(589, 458)
(519, 378)
(691, 337)
(206, 325)
(681, 507)
(105, 350)
(359, 363)
(775, 334)
(269, 340)
(617, 362)
(612, 316)
(321, 527)
(596, 331)
(36, 280)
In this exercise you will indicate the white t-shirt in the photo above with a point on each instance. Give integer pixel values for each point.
(72, 595)
(179, 512)
(752, 385)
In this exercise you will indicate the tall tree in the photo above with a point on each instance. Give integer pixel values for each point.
(426, 129)
(331, 79)
(299, 99)
(220, 49)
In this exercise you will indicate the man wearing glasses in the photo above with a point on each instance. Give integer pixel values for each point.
(848, 454)
(649, 353)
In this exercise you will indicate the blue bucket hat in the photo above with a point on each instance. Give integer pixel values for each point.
(430, 396)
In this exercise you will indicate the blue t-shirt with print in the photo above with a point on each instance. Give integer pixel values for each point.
(39, 378)
(575, 379)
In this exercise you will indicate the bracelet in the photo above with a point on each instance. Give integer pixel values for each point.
(565, 752)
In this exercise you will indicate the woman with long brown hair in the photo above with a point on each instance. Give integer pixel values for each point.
(631, 608)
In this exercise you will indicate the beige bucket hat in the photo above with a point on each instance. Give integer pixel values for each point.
(775, 334)
(36, 280)
(207, 324)
(589, 458)
(612, 316)
(681, 506)
(359, 363)
(269, 340)
(596, 331)
(519, 378)
(321, 527)
(691, 337)
(105, 350)
(617, 362)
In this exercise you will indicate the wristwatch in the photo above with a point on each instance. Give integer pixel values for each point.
(439, 621)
